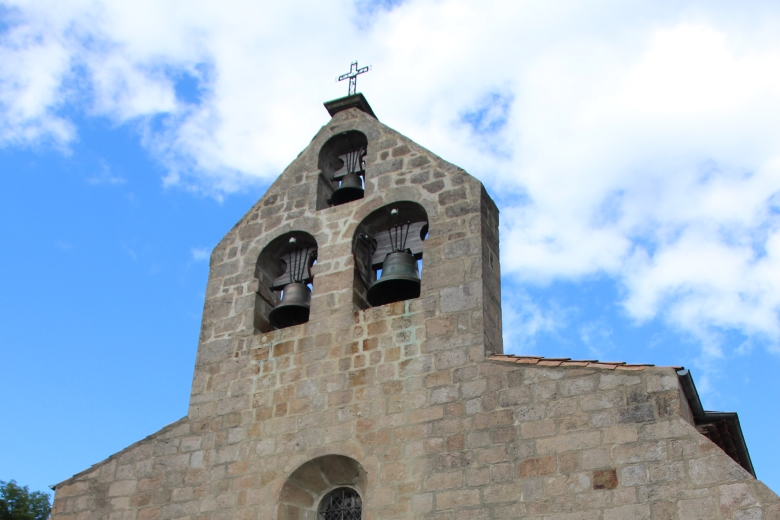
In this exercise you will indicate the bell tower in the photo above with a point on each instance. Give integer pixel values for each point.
(350, 366)
(368, 264)
(363, 218)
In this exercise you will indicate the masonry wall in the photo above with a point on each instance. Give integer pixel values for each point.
(478, 440)
(407, 402)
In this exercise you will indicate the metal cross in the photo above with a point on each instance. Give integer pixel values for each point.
(352, 75)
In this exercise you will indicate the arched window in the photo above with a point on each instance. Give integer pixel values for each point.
(285, 281)
(342, 165)
(341, 504)
(301, 496)
(388, 252)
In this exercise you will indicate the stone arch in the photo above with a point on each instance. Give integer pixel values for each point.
(341, 154)
(372, 241)
(286, 259)
(304, 489)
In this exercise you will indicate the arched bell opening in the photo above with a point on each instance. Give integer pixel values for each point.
(342, 169)
(324, 488)
(285, 281)
(388, 253)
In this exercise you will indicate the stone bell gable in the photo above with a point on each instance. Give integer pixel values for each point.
(347, 408)
(461, 275)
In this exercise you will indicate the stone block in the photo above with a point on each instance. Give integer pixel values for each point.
(491, 419)
(568, 462)
(639, 452)
(531, 412)
(697, 509)
(493, 455)
(714, 468)
(514, 396)
(671, 471)
(461, 498)
(569, 442)
(537, 467)
(602, 400)
(446, 480)
(450, 358)
(605, 479)
(461, 297)
(661, 382)
(735, 496)
(498, 493)
(632, 512)
(422, 503)
(620, 434)
(573, 423)
(665, 430)
(122, 488)
(636, 414)
(753, 513)
(610, 380)
(635, 475)
(533, 429)
(577, 386)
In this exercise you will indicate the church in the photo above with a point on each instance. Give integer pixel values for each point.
(350, 366)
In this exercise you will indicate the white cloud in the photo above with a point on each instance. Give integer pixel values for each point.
(525, 321)
(200, 253)
(33, 67)
(596, 336)
(130, 251)
(635, 139)
(105, 176)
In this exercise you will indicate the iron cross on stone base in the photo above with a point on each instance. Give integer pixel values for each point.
(352, 76)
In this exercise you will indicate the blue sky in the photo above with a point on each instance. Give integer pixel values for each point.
(633, 152)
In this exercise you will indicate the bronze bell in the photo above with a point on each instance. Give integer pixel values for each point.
(294, 307)
(399, 281)
(351, 189)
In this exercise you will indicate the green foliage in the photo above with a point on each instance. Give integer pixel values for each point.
(17, 503)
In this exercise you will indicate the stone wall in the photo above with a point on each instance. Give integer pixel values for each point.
(437, 441)
(407, 402)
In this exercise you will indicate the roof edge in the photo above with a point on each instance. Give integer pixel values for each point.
(704, 418)
(722, 428)
(118, 454)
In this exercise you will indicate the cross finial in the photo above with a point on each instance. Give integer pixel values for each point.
(352, 76)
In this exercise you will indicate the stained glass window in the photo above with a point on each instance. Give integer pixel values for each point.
(341, 504)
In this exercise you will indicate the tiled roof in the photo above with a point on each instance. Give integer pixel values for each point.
(568, 362)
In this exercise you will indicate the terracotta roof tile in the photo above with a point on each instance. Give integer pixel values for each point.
(608, 366)
(568, 362)
(575, 363)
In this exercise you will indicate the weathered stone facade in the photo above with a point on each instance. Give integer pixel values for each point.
(411, 403)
